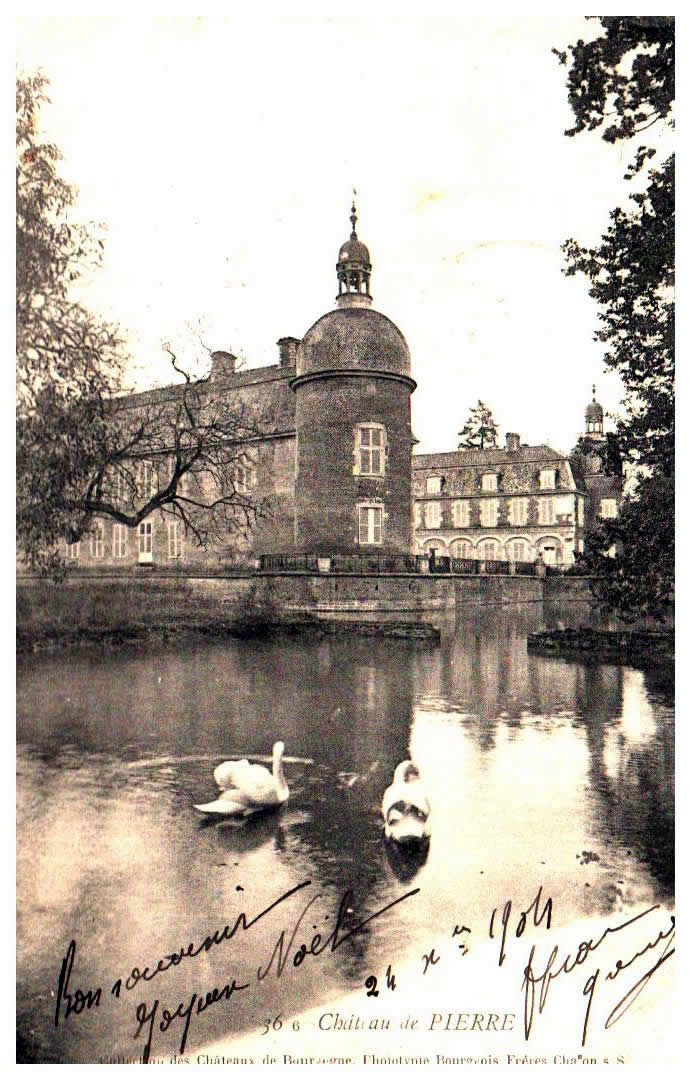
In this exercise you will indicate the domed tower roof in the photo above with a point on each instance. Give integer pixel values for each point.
(353, 338)
(594, 410)
(354, 252)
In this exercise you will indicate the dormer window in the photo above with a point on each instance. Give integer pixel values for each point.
(434, 485)
(370, 450)
(489, 481)
(548, 479)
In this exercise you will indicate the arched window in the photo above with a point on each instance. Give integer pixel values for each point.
(461, 549)
(519, 549)
(489, 549)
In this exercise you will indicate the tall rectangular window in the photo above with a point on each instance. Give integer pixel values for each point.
(418, 515)
(97, 540)
(518, 550)
(608, 508)
(72, 550)
(119, 541)
(370, 524)
(518, 511)
(370, 450)
(174, 540)
(147, 484)
(460, 512)
(579, 503)
(432, 515)
(489, 509)
(120, 485)
(547, 479)
(243, 477)
(545, 511)
(145, 541)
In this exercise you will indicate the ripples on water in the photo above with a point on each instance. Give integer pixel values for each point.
(539, 770)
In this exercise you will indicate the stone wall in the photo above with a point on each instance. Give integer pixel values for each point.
(110, 601)
(390, 592)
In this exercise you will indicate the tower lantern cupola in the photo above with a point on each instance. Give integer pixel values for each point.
(594, 417)
(353, 269)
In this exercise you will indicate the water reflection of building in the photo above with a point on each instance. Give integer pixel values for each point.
(632, 768)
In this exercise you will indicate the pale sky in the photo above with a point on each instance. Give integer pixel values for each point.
(221, 154)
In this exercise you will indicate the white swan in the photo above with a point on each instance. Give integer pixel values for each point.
(225, 773)
(248, 788)
(405, 808)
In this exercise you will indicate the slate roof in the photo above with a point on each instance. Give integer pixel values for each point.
(494, 456)
(266, 387)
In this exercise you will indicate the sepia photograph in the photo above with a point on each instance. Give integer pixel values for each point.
(345, 540)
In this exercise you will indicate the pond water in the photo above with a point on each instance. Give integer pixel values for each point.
(539, 770)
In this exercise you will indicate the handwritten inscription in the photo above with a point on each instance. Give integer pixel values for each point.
(287, 948)
(537, 979)
(507, 924)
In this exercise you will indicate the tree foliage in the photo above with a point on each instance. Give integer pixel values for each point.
(623, 81)
(86, 449)
(608, 452)
(480, 431)
(625, 77)
(638, 581)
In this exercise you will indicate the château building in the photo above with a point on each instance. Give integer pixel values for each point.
(333, 468)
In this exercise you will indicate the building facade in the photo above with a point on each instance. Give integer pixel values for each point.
(331, 468)
(514, 503)
(332, 465)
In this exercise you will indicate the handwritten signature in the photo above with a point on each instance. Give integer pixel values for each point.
(536, 986)
(284, 950)
(292, 947)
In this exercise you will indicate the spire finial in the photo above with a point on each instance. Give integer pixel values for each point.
(353, 214)
(594, 391)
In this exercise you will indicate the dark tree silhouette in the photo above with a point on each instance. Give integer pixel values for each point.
(480, 430)
(623, 81)
(86, 449)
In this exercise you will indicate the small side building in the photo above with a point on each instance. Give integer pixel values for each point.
(517, 502)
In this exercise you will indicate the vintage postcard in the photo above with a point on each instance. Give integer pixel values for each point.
(345, 699)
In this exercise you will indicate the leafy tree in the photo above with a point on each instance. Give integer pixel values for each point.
(624, 79)
(85, 449)
(638, 581)
(608, 452)
(480, 430)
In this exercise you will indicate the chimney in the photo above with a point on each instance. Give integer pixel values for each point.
(288, 347)
(513, 441)
(222, 365)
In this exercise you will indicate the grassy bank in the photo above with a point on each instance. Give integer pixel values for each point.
(622, 645)
(49, 615)
(116, 613)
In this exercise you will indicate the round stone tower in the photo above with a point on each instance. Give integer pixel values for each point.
(354, 441)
